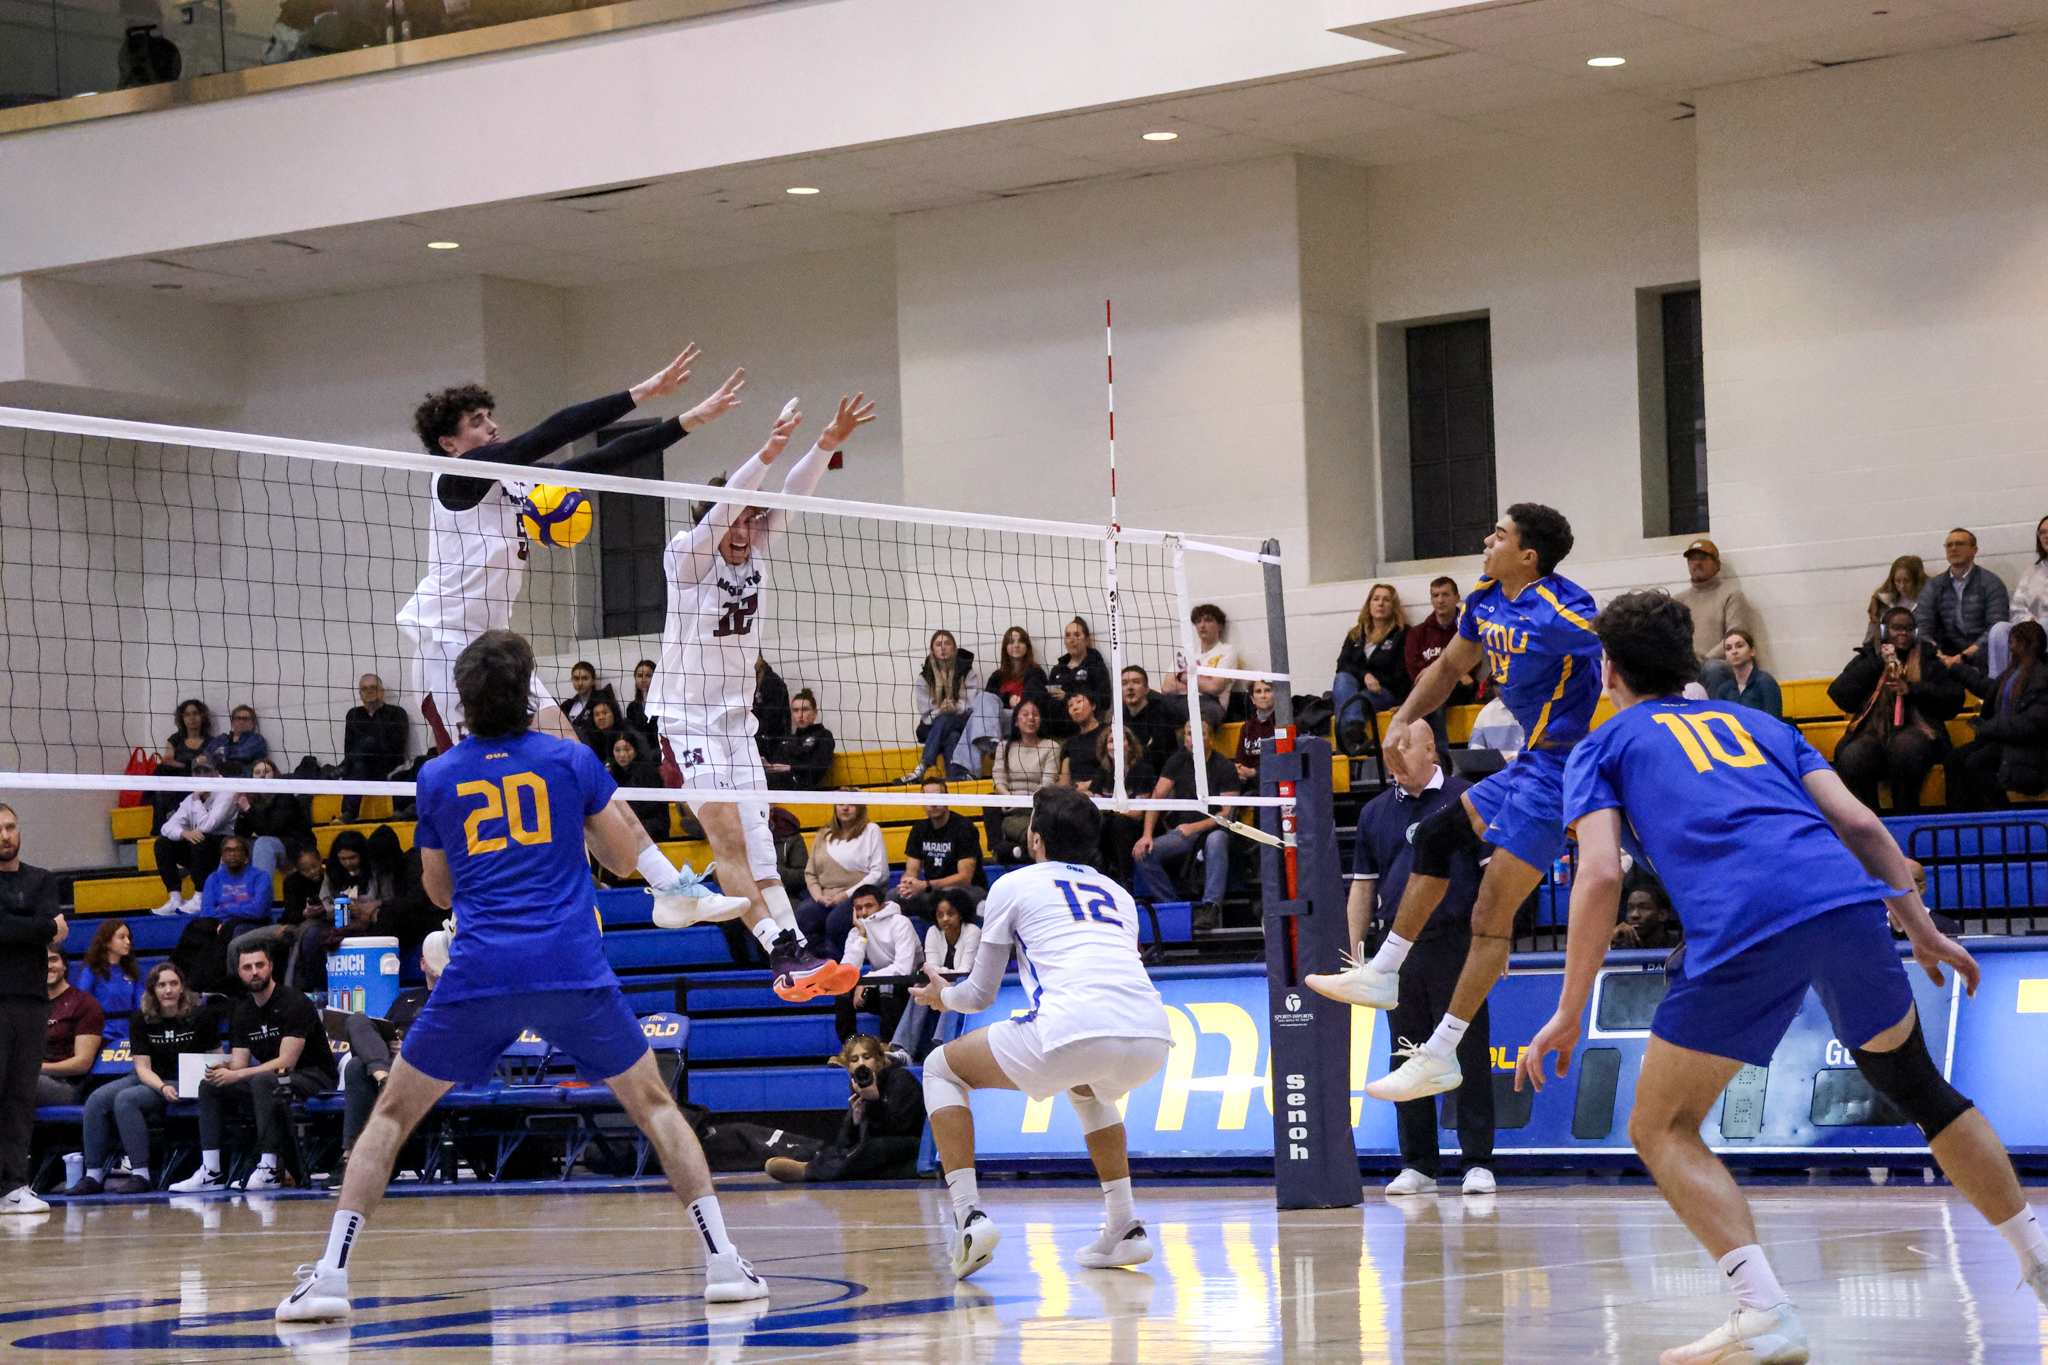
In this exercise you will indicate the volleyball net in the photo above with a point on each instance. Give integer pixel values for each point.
(144, 567)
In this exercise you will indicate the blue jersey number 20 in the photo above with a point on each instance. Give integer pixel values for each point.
(1099, 901)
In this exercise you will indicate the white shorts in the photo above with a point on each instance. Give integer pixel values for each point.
(433, 682)
(728, 763)
(1110, 1067)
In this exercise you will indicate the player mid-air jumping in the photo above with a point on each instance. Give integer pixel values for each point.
(1784, 880)
(1534, 630)
(503, 818)
(1097, 1027)
(703, 693)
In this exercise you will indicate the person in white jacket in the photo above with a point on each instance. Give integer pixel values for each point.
(190, 841)
(885, 941)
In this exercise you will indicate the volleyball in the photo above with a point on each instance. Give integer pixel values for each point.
(555, 516)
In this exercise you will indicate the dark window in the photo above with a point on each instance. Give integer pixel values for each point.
(633, 592)
(1450, 437)
(1685, 414)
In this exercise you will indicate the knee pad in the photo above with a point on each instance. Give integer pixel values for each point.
(942, 1089)
(1442, 837)
(1095, 1114)
(1908, 1078)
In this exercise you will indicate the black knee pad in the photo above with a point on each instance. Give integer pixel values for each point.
(1442, 837)
(1908, 1078)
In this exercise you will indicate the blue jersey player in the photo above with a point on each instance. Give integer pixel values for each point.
(1784, 880)
(1534, 632)
(503, 818)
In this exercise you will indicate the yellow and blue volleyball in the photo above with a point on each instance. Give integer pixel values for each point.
(555, 516)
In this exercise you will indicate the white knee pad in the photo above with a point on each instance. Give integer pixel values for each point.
(942, 1089)
(1095, 1114)
(760, 843)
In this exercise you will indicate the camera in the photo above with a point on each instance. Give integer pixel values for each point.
(863, 1076)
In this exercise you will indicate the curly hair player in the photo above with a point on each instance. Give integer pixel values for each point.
(503, 818)
(1534, 630)
(1784, 880)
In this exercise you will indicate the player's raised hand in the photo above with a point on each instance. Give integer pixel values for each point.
(1560, 1035)
(853, 412)
(723, 401)
(785, 427)
(930, 994)
(1932, 948)
(668, 378)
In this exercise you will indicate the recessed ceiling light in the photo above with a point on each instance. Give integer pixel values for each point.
(442, 246)
(1161, 137)
(800, 189)
(1607, 61)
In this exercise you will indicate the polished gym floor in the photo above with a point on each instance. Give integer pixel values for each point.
(1549, 1272)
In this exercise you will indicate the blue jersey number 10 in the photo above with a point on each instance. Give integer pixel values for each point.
(1695, 734)
(1098, 902)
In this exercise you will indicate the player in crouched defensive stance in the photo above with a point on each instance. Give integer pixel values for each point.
(1097, 1027)
(503, 817)
(1784, 881)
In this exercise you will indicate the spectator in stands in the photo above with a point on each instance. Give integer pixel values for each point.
(374, 740)
(237, 893)
(847, 853)
(1957, 609)
(1175, 834)
(1121, 830)
(191, 840)
(277, 827)
(992, 718)
(943, 850)
(2028, 602)
(370, 1052)
(637, 719)
(1255, 734)
(1648, 919)
(2010, 752)
(949, 948)
(1743, 681)
(884, 1123)
(71, 1043)
(631, 768)
(1024, 763)
(29, 923)
(583, 691)
(194, 731)
(1718, 610)
(601, 726)
(274, 1031)
(1212, 651)
(799, 760)
(170, 1020)
(301, 899)
(1372, 663)
(1079, 670)
(1426, 640)
(1156, 718)
(352, 873)
(771, 700)
(1079, 767)
(1903, 584)
(1899, 696)
(243, 744)
(109, 974)
(885, 942)
(945, 692)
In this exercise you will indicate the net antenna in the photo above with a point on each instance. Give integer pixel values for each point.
(1116, 620)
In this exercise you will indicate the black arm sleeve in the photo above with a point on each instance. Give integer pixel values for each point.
(459, 494)
(608, 458)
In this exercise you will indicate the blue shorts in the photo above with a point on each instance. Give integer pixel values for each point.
(1742, 1007)
(1523, 806)
(460, 1041)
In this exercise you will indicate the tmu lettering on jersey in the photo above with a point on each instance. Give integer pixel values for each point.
(1502, 643)
(738, 617)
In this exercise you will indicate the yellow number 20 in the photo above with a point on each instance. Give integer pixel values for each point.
(1695, 734)
(510, 808)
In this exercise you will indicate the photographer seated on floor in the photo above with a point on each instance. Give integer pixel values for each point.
(884, 1122)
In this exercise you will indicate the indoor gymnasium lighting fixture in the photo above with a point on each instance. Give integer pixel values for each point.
(800, 189)
(1606, 61)
(442, 246)
(1161, 137)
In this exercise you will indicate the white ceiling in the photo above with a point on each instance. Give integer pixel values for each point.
(1476, 77)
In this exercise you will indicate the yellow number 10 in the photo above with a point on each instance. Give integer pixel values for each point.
(508, 807)
(1695, 734)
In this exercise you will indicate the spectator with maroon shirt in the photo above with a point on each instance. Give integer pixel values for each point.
(71, 1043)
(1426, 640)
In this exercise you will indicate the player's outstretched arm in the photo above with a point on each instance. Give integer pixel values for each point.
(616, 839)
(1596, 890)
(435, 878)
(1460, 657)
(668, 378)
(722, 400)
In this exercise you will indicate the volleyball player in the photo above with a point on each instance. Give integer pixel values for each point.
(1097, 1027)
(1784, 881)
(703, 692)
(503, 818)
(1534, 629)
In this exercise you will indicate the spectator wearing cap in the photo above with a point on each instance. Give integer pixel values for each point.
(1957, 609)
(1718, 610)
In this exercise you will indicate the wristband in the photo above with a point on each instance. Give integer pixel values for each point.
(654, 866)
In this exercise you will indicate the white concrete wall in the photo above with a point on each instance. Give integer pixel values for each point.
(116, 353)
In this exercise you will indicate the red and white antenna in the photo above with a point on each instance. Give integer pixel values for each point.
(1109, 355)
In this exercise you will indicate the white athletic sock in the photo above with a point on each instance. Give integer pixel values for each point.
(779, 908)
(966, 1191)
(2028, 1240)
(1117, 1205)
(655, 868)
(710, 1223)
(1450, 1031)
(1748, 1271)
(210, 1159)
(341, 1238)
(767, 931)
(267, 1162)
(95, 1173)
(1391, 955)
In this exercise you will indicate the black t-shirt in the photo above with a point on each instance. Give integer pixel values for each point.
(939, 851)
(1158, 726)
(287, 1014)
(28, 921)
(1082, 764)
(300, 893)
(1180, 770)
(161, 1040)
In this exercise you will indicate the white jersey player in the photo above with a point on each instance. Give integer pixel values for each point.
(703, 691)
(476, 548)
(1096, 1029)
